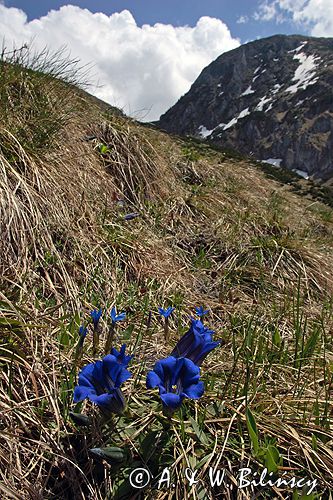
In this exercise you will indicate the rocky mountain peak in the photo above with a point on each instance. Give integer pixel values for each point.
(271, 98)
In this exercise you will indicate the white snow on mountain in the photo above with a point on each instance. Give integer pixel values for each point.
(304, 74)
(204, 132)
(276, 88)
(302, 173)
(298, 48)
(233, 122)
(276, 162)
(263, 101)
(248, 91)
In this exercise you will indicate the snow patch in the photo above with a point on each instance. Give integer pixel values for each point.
(276, 88)
(276, 162)
(233, 122)
(248, 91)
(298, 48)
(263, 101)
(304, 74)
(257, 76)
(301, 173)
(204, 132)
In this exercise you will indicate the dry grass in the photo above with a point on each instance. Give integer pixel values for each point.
(212, 230)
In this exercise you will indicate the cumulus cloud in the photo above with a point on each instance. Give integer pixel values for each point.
(315, 16)
(143, 70)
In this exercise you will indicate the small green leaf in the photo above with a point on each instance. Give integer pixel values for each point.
(253, 431)
(148, 444)
(103, 149)
(272, 458)
(277, 339)
(314, 442)
(199, 432)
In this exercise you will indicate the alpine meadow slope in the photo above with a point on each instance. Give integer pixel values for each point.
(99, 211)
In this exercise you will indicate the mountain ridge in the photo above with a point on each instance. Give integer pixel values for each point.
(270, 98)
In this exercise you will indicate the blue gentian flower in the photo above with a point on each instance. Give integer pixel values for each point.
(83, 332)
(196, 343)
(165, 312)
(117, 317)
(176, 379)
(96, 315)
(100, 382)
(121, 356)
(200, 311)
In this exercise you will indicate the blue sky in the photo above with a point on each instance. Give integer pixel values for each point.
(145, 54)
(175, 12)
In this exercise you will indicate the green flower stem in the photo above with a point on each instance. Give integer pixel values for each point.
(109, 339)
(95, 340)
(166, 329)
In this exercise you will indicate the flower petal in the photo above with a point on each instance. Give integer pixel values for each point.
(86, 375)
(121, 356)
(171, 400)
(115, 371)
(152, 380)
(113, 314)
(194, 391)
(166, 312)
(198, 358)
(96, 315)
(112, 403)
(81, 393)
(190, 373)
(166, 369)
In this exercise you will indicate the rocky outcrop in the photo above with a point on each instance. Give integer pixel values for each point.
(271, 98)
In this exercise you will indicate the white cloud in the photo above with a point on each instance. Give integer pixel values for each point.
(242, 20)
(315, 16)
(140, 68)
(268, 11)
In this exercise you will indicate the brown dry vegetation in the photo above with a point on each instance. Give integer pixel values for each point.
(213, 230)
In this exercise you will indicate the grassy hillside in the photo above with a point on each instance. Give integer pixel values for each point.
(213, 229)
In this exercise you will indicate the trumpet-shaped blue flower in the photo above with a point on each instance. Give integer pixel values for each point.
(176, 379)
(165, 312)
(196, 343)
(121, 356)
(96, 316)
(100, 382)
(83, 332)
(116, 317)
(200, 311)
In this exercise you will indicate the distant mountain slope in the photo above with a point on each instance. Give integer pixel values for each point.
(271, 98)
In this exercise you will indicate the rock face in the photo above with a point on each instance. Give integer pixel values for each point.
(271, 98)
